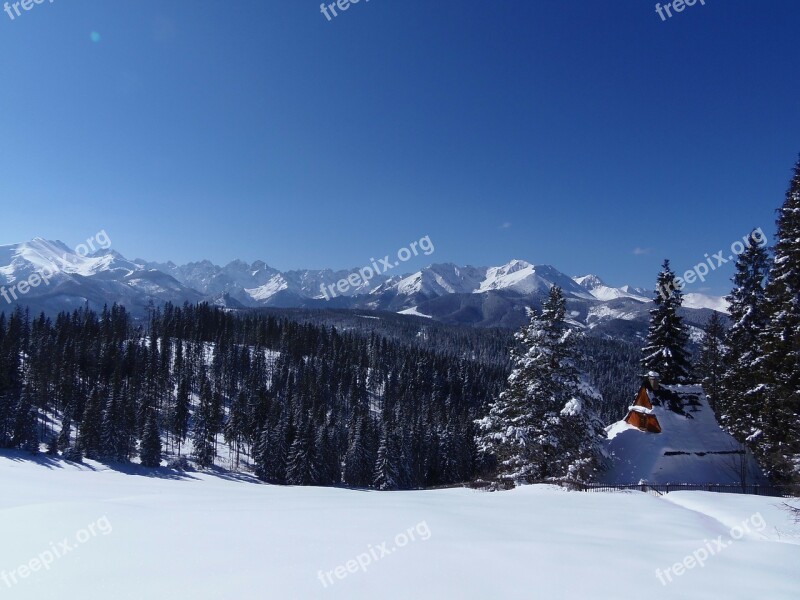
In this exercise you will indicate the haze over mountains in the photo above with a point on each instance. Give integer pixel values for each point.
(481, 296)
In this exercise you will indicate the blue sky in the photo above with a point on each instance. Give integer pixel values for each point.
(589, 135)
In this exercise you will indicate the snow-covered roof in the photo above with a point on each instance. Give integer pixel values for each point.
(692, 448)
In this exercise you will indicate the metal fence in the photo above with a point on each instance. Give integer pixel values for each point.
(778, 491)
(656, 489)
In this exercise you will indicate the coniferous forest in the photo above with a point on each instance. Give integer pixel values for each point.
(298, 403)
(295, 402)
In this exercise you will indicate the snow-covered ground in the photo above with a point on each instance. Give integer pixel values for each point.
(135, 535)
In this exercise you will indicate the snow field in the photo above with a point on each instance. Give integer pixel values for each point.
(217, 536)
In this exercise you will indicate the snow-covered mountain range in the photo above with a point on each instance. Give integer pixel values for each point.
(485, 296)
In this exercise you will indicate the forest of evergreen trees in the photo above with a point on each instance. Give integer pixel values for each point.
(304, 404)
(296, 401)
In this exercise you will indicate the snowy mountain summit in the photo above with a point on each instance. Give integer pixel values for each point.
(481, 296)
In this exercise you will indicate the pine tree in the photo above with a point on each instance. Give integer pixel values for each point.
(302, 467)
(114, 443)
(65, 436)
(261, 453)
(203, 438)
(26, 433)
(90, 437)
(358, 466)
(665, 352)
(180, 415)
(150, 450)
(543, 425)
(779, 442)
(711, 365)
(236, 425)
(740, 395)
(386, 476)
(327, 455)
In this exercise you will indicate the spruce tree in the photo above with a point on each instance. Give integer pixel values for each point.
(180, 415)
(150, 450)
(114, 444)
(358, 463)
(386, 475)
(65, 436)
(203, 438)
(26, 433)
(780, 423)
(665, 352)
(543, 425)
(90, 437)
(261, 453)
(711, 366)
(302, 465)
(740, 395)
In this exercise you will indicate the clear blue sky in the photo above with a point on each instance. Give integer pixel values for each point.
(566, 133)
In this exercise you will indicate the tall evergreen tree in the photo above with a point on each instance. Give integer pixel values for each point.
(302, 467)
(740, 395)
(203, 439)
(179, 425)
(65, 435)
(711, 365)
(26, 433)
(150, 451)
(90, 439)
(359, 461)
(780, 443)
(386, 473)
(665, 352)
(114, 437)
(543, 424)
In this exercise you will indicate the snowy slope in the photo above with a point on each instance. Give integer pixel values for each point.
(688, 450)
(526, 278)
(210, 537)
(73, 279)
(694, 300)
(601, 291)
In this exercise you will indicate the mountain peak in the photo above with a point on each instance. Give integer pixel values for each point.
(590, 282)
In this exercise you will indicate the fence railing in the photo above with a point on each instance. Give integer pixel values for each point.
(658, 489)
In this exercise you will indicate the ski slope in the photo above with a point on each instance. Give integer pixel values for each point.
(212, 536)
